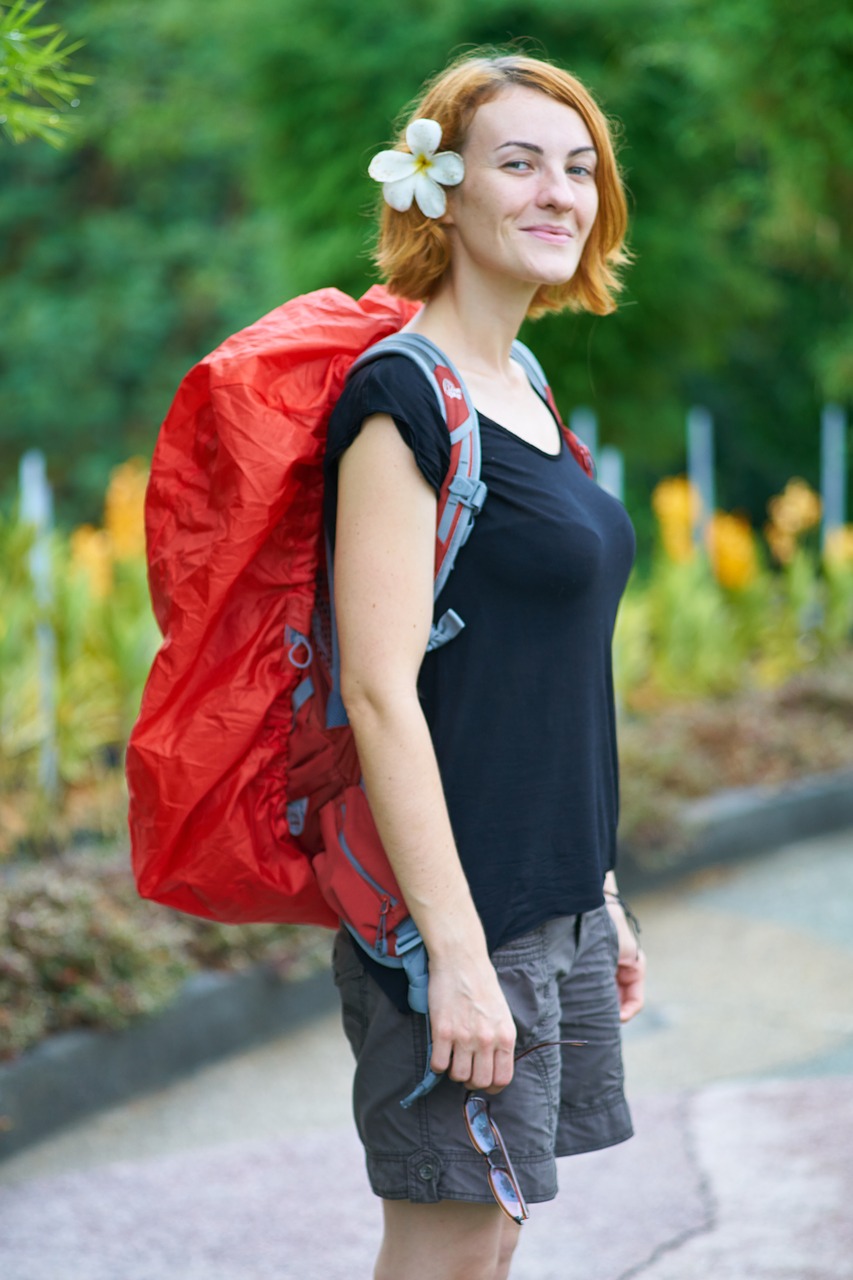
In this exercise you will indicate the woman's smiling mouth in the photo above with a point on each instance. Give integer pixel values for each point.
(555, 235)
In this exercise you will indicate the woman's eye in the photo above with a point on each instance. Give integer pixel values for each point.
(581, 170)
(517, 166)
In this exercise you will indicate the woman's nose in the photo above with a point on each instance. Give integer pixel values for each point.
(557, 191)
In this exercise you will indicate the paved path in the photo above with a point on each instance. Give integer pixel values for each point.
(741, 1081)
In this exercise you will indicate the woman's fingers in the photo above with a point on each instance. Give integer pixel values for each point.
(487, 1067)
(504, 1066)
(488, 1071)
(631, 982)
(473, 1030)
(462, 1067)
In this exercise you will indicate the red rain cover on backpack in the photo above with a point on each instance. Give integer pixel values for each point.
(234, 526)
(246, 801)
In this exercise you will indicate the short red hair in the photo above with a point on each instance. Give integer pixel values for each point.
(413, 251)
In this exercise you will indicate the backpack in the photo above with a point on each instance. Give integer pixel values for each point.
(246, 798)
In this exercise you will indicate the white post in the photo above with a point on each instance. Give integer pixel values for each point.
(36, 509)
(833, 469)
(611, 471)
(700, 466)
(585, 426)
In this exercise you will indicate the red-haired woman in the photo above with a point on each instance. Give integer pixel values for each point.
(490, 763)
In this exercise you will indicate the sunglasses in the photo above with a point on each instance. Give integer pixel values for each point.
(486, 1138)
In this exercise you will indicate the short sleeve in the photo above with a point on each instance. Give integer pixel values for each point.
(396, 386)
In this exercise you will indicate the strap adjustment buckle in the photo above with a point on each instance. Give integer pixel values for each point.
(468, 492)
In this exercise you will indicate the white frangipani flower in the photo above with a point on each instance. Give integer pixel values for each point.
(417, 176)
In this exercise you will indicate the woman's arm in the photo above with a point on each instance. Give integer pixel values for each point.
(385, 547)
(631, 967)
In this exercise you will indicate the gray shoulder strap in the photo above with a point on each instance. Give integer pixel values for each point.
(531, 367)
(464, 492)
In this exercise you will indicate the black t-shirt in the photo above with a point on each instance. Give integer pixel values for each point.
(520, 704)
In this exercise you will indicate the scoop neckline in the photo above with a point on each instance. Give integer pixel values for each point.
(543, 453)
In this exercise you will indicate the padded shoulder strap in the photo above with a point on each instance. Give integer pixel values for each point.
(463, 492)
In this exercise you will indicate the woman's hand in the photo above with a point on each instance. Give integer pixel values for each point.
(473, 1032)
(631, 965)
(631, 983)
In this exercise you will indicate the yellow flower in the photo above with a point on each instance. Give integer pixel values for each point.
(91, 555)
(782, 543)
(838, 550)
(124, 518)
(796, 509)
(731, 546)
(677, 505)
(676, 499)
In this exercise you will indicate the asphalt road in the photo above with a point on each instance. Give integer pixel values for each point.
(740, 1075)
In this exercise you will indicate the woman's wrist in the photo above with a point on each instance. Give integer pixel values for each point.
(617, 904)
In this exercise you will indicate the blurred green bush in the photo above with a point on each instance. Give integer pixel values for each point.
(79, 948)
(222, 168)
(729, 671)
(700, 623)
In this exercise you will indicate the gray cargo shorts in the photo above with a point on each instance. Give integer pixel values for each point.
(560, 983)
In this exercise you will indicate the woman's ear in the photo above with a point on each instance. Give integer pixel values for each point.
(446, 219)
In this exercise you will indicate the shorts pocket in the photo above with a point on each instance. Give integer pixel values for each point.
(523, 973)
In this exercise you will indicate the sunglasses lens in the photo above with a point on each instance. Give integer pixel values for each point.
(480, 1126)
(506, 1195)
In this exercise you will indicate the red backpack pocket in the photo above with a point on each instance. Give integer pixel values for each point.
(370, 901)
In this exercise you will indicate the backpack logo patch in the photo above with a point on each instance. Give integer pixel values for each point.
(450, 389)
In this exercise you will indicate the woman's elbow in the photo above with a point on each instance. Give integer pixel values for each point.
(376, 697)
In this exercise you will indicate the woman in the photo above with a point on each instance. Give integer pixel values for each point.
(490, 764)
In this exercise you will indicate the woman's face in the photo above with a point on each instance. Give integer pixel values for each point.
(529, 198)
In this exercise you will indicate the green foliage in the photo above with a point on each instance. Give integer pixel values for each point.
(19, 730)
(753, 737)
(35, 82)
(681, 635)
(74, 954)
(146, 251)
(105, 637)
(76, 945)
(769, 188)
(105, 648)
(78, 948)
(223, 168)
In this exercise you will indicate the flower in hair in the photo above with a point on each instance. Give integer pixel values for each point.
(420, 175)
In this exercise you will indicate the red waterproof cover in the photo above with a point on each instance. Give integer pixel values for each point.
(234, 531)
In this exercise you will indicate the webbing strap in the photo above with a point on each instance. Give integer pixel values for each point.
(448, 626)
(531, 366)
(301, 694)
(336, 712)
(536, 376)
(416, 966)
(412, 959)
(296, 811)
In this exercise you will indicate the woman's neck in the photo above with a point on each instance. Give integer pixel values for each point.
(475, 325)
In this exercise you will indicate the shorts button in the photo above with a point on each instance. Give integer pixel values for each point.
(426, 1171)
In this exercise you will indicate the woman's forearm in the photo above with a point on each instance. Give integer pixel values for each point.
(407, 802)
